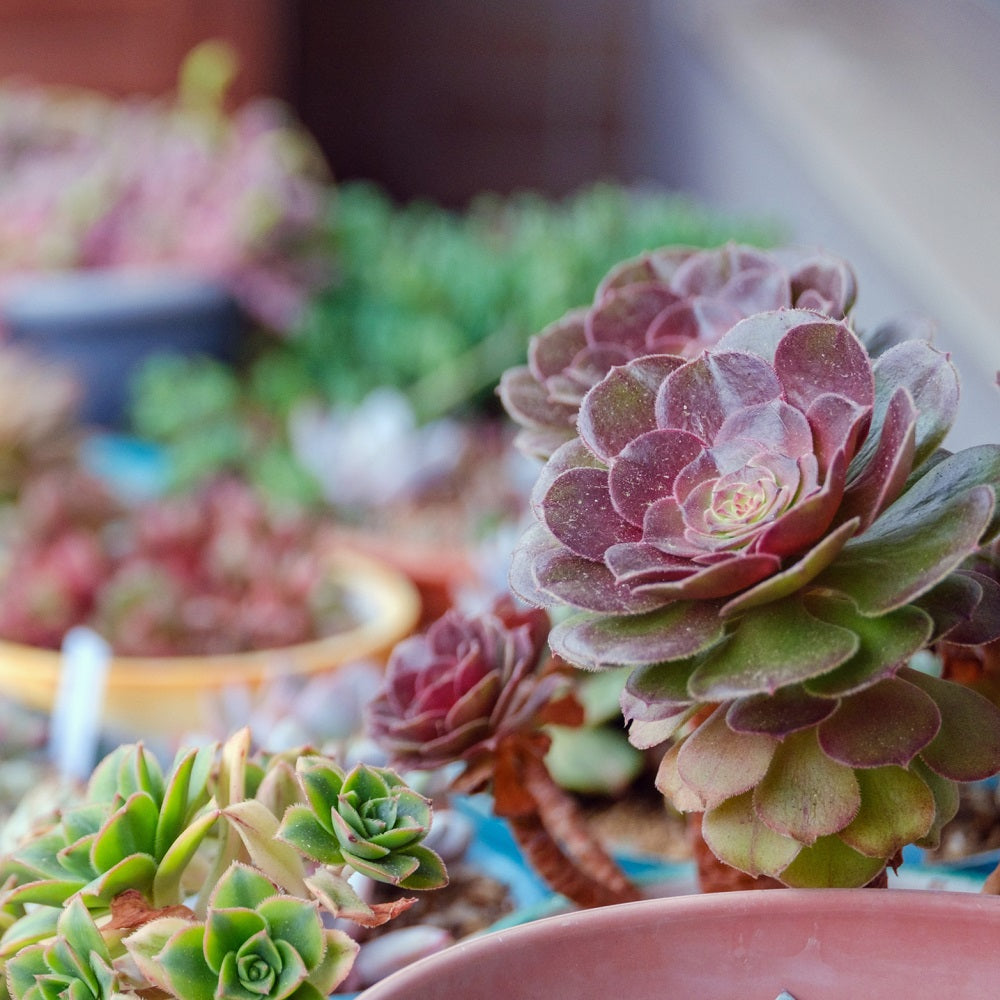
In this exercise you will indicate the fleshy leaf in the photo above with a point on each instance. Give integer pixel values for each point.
(300, 828)
(788, 710)
(130, 830)
(735, 835)
(719, 764)
(897, 809)
(258, 829)
(672, 786)
(184, 964)
(884, 642)
(967, 746)
(670, 633)
(887, 723)
(805, 794)
(771, 646)
(946, 802)
(430, 872)
(830, 863)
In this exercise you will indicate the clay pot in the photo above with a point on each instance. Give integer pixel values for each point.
(162, 696)
(813, 944)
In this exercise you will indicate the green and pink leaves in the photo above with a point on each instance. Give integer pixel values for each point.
(254, 941)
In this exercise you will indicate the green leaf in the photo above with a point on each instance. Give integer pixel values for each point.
(145, 945)
(805, 794)
(134, 872)
(353, 842)
(884, 642)
(897, 809)
(770, 647)
(241, 886)
(368, 783)
(77, 926)
(23, 970)
(296, 921)
(718, 763)
(167, 884)
(337, 896)
(967, 746)
(258, 830)
(322, 785)
(830, 863)
(592, 759)
(174, 808)
(46, 892)
(336, 963)
(75, 859)
(676, 631)
(430, 872)
(130, 830)
(300, 828)
(227, 929)
(887, 723)
(183, 963)
(736, 836)
(946, 802)
(36, 925)
(391, 868)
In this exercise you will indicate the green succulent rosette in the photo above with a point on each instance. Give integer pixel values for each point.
(367, 818)
(766, 534)
(134, 829)
(76, 965)
(254, 943)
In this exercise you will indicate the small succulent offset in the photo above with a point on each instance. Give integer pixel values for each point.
(766, 534)
(211, 881)
(478, 690)
(675, 300)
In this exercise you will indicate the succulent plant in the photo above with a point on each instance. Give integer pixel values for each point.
(184, 884)
(478, 690)
(766, 534)
(669, 301)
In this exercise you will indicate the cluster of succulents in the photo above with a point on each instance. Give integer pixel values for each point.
(213, 571)
(218, 878)
(90, 181)
(477, 691)
(757, 516)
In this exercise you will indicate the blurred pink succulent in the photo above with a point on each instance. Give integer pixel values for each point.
(674, 301)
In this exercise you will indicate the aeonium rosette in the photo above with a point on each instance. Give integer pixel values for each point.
(767, 533)
(675, 300)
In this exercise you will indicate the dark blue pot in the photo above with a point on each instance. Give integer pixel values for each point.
(103, 324)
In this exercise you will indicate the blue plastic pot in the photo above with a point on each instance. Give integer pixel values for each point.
(103, 324)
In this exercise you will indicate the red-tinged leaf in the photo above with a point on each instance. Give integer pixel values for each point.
(806, 795)
(528, 402)
(932, 381)
(671, 633)
(897, 808)
(659, 689)
(735, 835)
(553, 350)
(559, 576)
(887, 723)
(978, 619)
(784, 584)
(700, 395)
(760, 334)
(882, 479)
(578, 511)
(571, 455)
(622, 406)
(786, 711)
(774, 426)
(623, 315)
(673, 787)
(645, 470)
(718, 763)
(837, 423)
(770, 647)
(716, 581)
(946, 803)
(816, 358)
(967, 746)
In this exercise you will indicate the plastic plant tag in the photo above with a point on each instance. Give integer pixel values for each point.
(76, 717)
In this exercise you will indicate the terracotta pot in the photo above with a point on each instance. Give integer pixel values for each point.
(814, 944)
(162, 696)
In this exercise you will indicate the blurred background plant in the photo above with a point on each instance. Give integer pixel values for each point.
(95, 182)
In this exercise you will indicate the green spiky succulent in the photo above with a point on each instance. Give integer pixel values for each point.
(178, 882)
(766, 534)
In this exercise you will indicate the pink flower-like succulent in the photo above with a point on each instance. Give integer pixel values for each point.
(668, 301)
(767, 533)
(458, 689)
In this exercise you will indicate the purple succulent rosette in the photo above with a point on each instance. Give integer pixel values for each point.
(766, 534)
(675, 300)
(456, 690)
